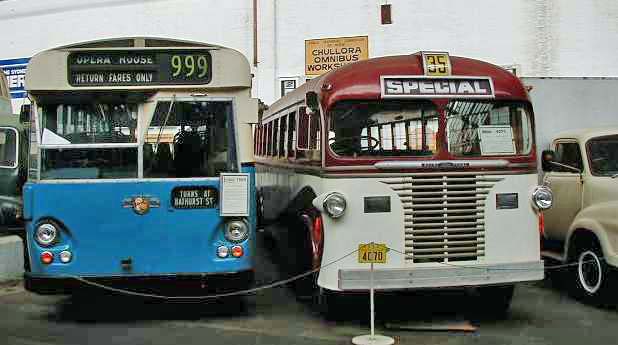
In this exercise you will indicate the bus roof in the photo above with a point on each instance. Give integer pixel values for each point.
(361, 80)
(49, 70)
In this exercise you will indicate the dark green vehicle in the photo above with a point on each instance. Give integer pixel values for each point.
(13, 162)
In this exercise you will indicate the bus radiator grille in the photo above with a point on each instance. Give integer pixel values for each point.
(444, 216)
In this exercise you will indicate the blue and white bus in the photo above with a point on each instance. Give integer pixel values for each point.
(141, 167)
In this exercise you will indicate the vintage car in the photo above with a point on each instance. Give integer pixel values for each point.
(582, 226)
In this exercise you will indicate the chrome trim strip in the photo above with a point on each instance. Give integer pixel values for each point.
(129, 180)
(452, 275)
(90, 146)
(442, 164)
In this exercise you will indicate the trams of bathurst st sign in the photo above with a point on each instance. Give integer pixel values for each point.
(418, 86)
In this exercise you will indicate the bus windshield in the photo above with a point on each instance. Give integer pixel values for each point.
(91, 123)
(190, 139)
(487, 128)
(99, 141)
(394, 128)
(64, 126)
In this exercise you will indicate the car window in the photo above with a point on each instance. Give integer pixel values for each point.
(568, 153)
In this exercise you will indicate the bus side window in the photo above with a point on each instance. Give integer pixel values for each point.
(260, 143)
(275, 138)
(269, 140)
(302, 142)
(256, 136)
(314, 137)
(291, 140)
(264, 141)
(282, 136)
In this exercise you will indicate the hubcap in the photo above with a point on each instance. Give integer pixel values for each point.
(589, 271)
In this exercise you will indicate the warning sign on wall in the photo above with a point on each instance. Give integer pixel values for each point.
(327, 54)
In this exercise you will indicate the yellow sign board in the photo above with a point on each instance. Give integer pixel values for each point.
(327, 54)
(372, 253)
(436, 64)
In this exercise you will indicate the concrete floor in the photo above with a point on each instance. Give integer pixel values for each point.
(541, 314)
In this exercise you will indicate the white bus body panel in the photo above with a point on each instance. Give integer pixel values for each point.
(511, 236)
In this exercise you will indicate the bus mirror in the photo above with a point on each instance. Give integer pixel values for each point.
(311, 98)
(24, 113)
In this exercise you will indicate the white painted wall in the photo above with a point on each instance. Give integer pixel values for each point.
(542, 37)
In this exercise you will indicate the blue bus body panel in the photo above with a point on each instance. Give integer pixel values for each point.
(101, 233)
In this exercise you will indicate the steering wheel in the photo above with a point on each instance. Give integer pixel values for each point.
(344, 144)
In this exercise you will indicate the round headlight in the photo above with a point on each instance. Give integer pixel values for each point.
(334, 205)
(542, 197)
(46, 234)
(236, 231)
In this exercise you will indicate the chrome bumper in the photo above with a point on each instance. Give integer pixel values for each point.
(446, 276)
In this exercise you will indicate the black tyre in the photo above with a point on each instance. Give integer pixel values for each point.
(329, 304)
(591, 278)
(494, 301)
(259, 206)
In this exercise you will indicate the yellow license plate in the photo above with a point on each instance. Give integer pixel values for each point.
(369, 253)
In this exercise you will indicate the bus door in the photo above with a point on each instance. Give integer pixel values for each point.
(187, 145)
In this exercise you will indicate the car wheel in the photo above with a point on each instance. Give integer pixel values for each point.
(591, 276)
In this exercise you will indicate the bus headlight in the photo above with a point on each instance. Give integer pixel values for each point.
(334, 204)
(542, 197)
(46, 234)
(236, 231)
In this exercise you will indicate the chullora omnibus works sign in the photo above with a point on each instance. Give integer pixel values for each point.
(327, 54)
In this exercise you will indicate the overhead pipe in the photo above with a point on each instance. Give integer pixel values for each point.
(255, 34)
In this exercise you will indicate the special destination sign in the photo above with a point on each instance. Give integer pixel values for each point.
(139, 68)
(436, 87)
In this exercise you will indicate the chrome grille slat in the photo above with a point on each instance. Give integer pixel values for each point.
(441, 225)
(441, 243)
(444, 215)
(421, 232)
(443, 237)
(456, 211)
(407, 205)
(441, 257)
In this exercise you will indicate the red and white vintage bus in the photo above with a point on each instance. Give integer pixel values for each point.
(430, 154)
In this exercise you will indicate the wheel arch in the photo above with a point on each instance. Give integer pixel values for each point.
(581, 235)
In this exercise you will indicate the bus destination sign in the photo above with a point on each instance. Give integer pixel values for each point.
(139, 68)
(436, 87)
(191, 197)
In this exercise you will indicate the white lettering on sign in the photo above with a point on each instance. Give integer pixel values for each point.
(16, 81)
(428, 87)
(88, 78)
(85, 59)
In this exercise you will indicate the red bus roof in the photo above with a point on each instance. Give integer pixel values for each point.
(361, 80)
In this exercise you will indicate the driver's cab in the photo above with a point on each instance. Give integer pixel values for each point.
(582, 171)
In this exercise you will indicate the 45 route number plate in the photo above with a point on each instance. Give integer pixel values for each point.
(372, 253)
